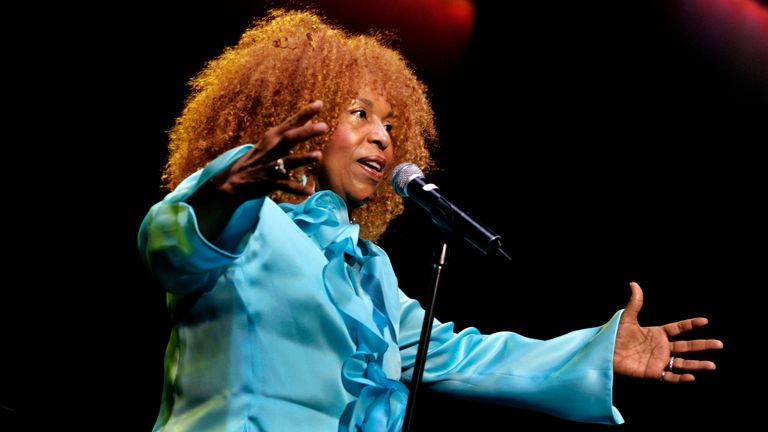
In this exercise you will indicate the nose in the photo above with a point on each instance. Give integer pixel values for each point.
(379, 136)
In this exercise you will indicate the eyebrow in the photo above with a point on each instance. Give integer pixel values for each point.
(369, 104)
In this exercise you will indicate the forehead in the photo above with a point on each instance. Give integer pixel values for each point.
(373, 99)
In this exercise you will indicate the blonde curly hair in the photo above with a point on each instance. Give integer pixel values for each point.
(282, 63)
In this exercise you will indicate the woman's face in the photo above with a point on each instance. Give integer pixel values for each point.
(360, 149)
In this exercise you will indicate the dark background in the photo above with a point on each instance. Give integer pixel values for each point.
(603, 141)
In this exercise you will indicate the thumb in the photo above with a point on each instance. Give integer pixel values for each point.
(635, 303)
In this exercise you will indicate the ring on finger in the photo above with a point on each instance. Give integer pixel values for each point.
(280, 166)
(671, 363)
(661, 378)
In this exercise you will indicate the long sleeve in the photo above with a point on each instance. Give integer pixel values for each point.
(570, 376)
(170, 241)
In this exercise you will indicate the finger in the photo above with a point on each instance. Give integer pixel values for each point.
(301, 117)
(298, 161)
(290, 163)
(693, 364)
(276, 136)
(676, 328)
(635, 303)
(674, 378)
(295, 188)
(306, 131)
(282, 145)
(297, 135)
(679, 347)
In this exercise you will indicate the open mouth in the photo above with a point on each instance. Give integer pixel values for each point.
(374, 165)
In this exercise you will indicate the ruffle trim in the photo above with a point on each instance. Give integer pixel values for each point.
(381, 401)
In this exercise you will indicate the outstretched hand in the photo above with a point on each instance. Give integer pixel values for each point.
(648, 352)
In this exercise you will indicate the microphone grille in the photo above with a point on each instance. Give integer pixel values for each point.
(402, 175)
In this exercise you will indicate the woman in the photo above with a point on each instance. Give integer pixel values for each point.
(286, 316)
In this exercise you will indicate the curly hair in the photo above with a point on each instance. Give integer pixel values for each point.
(282, 63)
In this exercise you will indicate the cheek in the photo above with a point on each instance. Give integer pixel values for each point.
(337, 152)
(335, 162)
(389, 153)
(342, 136)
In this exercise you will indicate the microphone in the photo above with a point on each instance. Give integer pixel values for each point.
(408, 181)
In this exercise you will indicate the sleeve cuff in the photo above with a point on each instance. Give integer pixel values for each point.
(174, 228)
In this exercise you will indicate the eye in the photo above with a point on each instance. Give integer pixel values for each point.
(360, 113)
(388, 127)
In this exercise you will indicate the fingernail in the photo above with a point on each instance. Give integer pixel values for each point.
(317, 104)
(320, 127)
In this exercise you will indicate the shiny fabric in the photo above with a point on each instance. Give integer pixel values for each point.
(290, 322)
(380, 400)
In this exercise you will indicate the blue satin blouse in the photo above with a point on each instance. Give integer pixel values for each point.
(290, 322)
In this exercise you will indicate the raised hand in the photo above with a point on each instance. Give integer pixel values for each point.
(647, 352)
(261, 171)
(266, 167)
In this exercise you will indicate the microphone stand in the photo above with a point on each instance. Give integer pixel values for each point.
(426, 330)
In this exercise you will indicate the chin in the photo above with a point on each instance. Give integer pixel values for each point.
(353, 202)
(359, 199)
